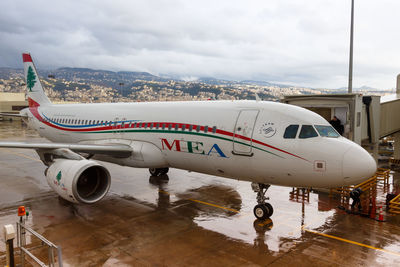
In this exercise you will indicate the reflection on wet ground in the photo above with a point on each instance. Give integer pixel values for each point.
(187, 218)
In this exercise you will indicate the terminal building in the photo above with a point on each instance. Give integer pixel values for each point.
(12, 103)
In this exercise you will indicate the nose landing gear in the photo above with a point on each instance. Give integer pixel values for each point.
(158, 171)
(263, 210)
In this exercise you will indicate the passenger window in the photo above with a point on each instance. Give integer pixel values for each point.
(176, 127)
(206, 129)
(190, 127)
(169, 126)
(183, 127)
(163, 126)
(291, 131)
(307, 131)
(214, 129)
(198, 128)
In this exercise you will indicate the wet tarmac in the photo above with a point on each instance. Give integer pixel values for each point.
(187, 219)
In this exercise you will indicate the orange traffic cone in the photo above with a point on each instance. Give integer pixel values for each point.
(380, 214)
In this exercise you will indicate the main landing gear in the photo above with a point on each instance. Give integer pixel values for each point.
(158, 171)
(263, 210)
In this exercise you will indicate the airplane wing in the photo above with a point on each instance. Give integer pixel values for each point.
(119, 150)
(14, 115)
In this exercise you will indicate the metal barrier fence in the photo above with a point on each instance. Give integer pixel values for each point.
(394, 205)
(394, 161)
(368, 187)
(383, 175)
(21, 242)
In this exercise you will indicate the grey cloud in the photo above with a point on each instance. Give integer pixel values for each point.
(289, 41)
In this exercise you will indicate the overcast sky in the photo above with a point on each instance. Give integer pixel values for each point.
(300, 42)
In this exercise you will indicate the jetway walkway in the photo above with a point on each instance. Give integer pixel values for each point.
(390, 110)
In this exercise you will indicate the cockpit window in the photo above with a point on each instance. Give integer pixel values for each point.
(326, 131)
(307, 131)
(291, 131)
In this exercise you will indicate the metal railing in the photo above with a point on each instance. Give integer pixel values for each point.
(394, 161)
(394, 205)
(21, 243)
(368, 185)
(383, 175)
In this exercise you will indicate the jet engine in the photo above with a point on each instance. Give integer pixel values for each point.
(79, 181)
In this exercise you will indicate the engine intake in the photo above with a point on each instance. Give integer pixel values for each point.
(79, 181)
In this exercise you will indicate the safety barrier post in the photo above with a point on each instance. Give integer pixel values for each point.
(9, 235)
(21, 234)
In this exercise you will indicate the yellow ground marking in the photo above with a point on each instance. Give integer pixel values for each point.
(21, 155)
(204, 203)
(352, 242)
(213, 205)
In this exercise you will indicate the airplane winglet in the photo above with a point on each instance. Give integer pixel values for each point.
(257, 97)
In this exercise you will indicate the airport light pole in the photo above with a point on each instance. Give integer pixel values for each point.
(350, 87)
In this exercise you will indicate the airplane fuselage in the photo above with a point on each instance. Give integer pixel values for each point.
(235, 139)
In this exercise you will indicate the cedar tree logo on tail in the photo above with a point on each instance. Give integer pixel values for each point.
(58, 177)
(30, 79)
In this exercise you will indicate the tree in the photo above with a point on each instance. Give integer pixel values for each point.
(30, 79)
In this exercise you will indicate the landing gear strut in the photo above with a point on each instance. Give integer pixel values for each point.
(158, 171)
(263, 210)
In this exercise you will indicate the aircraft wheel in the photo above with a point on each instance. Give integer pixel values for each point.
(158, 171)
(164, 171)
(263, 211)
(270, 208)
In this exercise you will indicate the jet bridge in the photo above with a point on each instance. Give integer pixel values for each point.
(390, 121)
(358, 114)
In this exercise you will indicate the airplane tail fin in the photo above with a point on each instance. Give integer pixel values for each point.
(35, 92)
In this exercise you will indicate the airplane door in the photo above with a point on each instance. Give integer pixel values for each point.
(242, 139)
(118, 126)
(115, 126)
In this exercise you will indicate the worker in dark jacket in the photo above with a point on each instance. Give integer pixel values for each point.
(335, 122)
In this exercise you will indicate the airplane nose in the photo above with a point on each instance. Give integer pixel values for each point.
(358, 165)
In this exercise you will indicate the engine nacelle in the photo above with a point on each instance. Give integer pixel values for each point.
(79, 181)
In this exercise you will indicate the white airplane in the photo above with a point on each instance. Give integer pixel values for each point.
(261, 142)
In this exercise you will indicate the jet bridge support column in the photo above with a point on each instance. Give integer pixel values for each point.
(396, 152)
(396, 136)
